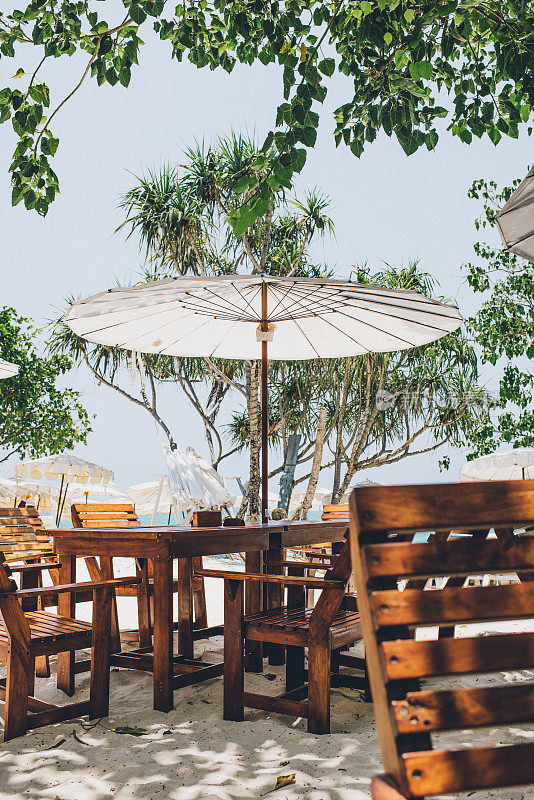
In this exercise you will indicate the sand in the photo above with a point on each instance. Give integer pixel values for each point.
(192, 754)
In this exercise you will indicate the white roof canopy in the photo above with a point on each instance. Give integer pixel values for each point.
(219, 317)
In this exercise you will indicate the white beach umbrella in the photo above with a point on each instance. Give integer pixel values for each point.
(515, 220)
(150, 497)
(261, 316)
(511, 465)
(7, 370)
(38, 494)
(68, 467)
(192, 487)
(321, 496)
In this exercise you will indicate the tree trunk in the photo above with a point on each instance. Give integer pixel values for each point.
(302, 512)
(339, 431)
(252, 370)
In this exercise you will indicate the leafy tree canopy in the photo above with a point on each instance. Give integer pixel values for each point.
(504, 327)
(404, 59)
(36, 417)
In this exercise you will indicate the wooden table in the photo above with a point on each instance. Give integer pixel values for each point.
(162, 545)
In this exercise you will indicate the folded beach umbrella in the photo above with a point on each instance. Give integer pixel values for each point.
(510, 465)
(515, 220)
(7, 370)
(192, 487)
(261, 316)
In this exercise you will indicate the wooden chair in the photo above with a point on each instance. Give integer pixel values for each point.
(24, 541)
(323, 630)
(26, 636)
(409, 717)
(123, 515)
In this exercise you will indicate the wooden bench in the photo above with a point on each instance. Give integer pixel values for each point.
(409, 716)
(27, 636)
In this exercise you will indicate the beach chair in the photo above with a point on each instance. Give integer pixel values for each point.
(24, 636)
(410, 718)
(30, 552)
(324, 630)
(123, 515)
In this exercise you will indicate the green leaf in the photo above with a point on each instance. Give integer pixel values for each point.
(409, 15)
(525, 113)
(421, 69)
(308, 136)
(388, 38)
(19, 73)
(131, 731)
(137, 14)
(327, 66)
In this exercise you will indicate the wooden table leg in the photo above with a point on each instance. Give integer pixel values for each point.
(253, 605)
(163, 666)
(143, 603)
(275, 598)
(66, 607)
(185, 607)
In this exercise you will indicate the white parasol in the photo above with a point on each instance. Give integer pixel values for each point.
(256, 316)
(70, 468)
(7, 370)
(511, 465)
(40, 495)
(152, 497)
(515, 220)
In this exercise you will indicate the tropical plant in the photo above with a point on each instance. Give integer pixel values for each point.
(503, 327)
(36, 416)
(404, 59)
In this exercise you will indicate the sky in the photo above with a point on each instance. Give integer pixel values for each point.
(386, 207)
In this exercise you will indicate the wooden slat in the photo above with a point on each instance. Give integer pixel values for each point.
(459, 557)
(107, 507)
(488, 603)
(445, 506)
(437, 772)
(92, 515)
(406, 658)
(464, 708)
(278, 705)
(266, 578)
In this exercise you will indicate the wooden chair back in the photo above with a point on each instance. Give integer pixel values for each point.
(331, 512)
(410, 720)
(104, 515)
(22, 535)
(11, 610)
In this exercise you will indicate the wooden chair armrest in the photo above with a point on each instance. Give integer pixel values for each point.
(314, 553)
(51, 591)
(14, 557)
(34, 567)
(289, 580)
(300, 564)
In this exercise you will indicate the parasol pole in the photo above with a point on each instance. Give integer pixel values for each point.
(58, 512)
(264, 410)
